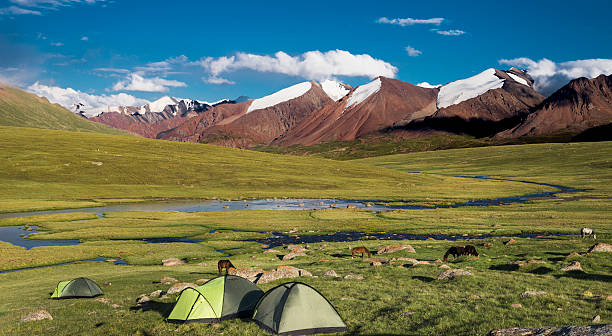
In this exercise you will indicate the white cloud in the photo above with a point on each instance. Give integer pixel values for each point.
(410, 21)
(217, 80)
(310, 65)
(413, 52)
(117, 70)
(161, 67)
(452, 32)
(14, 10)
(68, 97)
(57, 44)
(84, 38)
(550, 76)
(135, 82)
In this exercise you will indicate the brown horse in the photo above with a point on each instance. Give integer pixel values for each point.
(362, 250)
(224, 264)
(460, 250)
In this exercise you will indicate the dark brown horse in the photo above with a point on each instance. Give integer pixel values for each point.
(361, 249)
(460, 250)
(225, 264)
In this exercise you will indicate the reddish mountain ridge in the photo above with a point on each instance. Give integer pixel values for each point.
(582, 104)
(368, 108)
(251, 125)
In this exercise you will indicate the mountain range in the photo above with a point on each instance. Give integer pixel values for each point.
(499, 104)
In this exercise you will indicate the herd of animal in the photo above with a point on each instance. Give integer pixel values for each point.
(455, 251)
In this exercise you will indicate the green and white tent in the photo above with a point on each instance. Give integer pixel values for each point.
(76, 288)
(294, 308)
(221, 298)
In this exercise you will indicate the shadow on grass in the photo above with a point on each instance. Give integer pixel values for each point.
(540, 270)
(163, 308)
(585, 276)
(504, 267)
(423, 278)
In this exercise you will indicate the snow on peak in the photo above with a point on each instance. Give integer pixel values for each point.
(428, 86)
(278, 97)
(160, 104)
(334, 90)
(517, 78)
(464, 89)
(363, 92)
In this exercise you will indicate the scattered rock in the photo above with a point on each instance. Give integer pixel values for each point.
(103, 300)
(591, 330)
(395, 248)
(203, 264)
(431, 238)
(376, 259)
(37, 316)
(330, 274)
(532, 293)
(178, 287)
(596, 319)
(271, 251)
(142, 299)
(92, 312)
(444, 266)
(114, 305)
(354, 276)
(202, 281)
(421, 262)
(517, 305)
(452, 273)
(474, 297)
(168, 280)
(407, 313)
(107, 284)
(291, 255)
(487, 244)
(573, 254)
(536, 261)
(248, 273)
(600, 247)
(157, 293)
(511, 241)
(609, 298)
(172, 262)
(574, 266)
(296, 248)
(216, 325)
(438, 260)
(376, 263)
(346, 298)
(350, 206)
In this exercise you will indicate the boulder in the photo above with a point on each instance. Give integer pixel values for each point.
(168, 280)
(532, 293)
(376, 259)
(517, 305)
(511, 241)
(444, 266)
(37, 316)
(296, 248)
(590, 330)
(282, 272)
(291, 255)
(330, 274)
(600, 247)
(156, 293)
(574, 266)
(248, 273)
(452, 273)
(376, 263)
(178, 287)
(102, 300)
(395, 248)
(271, 251)
(354, 276)
(596, 319)
(421, 262)
(143, 298)
(173, 262)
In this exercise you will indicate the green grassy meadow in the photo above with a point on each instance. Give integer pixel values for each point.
(53, 169)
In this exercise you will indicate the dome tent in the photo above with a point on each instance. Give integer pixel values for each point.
(76, 288)
(221, 298)
(295, 308)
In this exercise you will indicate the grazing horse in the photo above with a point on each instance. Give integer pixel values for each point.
(588, 232)
(460, 250)
(224, 264)
(362, 250)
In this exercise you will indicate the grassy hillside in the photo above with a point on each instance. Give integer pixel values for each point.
(39, 166)
(578, 165)
(23, 109)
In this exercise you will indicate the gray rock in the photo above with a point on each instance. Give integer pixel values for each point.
(282, 272)
(157, 293)
(168, 280)
(37, 316)
(395, 248)
(574, 266)
(330, 274)
(593, 330)
(172, 262)
(600, 247)
(354, 276)
(291, 255)
(596, 319)
(178, 287)
(376, 263)
(532, 293)
(452, 273)
(407, 313)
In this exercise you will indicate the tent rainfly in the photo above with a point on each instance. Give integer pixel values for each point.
(295, 308)
(76, 288)
(221, 298)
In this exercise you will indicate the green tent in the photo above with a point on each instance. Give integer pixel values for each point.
(294, 308)
(76, 288)
(218, 299)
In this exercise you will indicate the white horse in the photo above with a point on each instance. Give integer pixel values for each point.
(588, 232)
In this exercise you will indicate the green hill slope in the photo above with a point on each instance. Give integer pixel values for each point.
(23, 109)
(74, 166)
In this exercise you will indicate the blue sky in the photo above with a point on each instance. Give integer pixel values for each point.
(104, 48)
